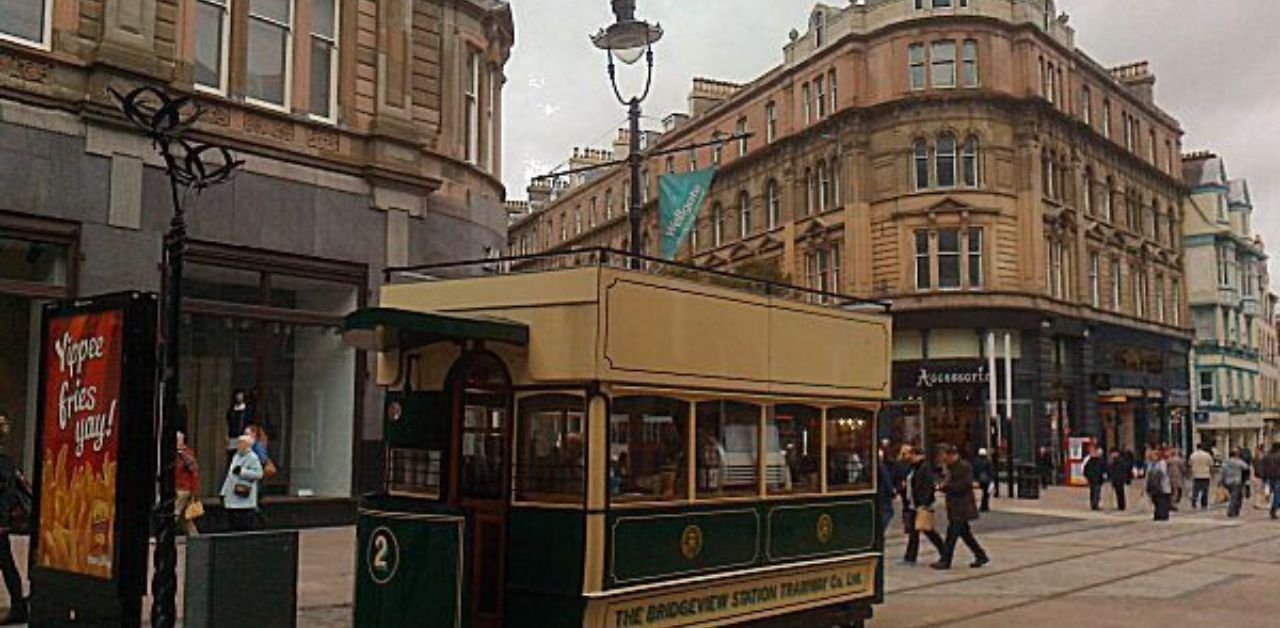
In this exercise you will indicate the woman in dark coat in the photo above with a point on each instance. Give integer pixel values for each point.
(920, 496)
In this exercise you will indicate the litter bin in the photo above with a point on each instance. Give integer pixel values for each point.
(237, 580)
(1028, 481)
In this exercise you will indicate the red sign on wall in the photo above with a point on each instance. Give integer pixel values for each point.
(83, 359)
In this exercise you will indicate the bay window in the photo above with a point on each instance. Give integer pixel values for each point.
(969, 55)
(920, 159)
(945, 157)
(943, 61)
(471, 108)
(975, 257)
(822, 270)
(270, 51)
(773, 200)
(970, 159)
(915, 60)
(948, 259)
(771, 122)
(923, 266)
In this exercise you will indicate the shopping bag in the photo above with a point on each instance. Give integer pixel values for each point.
(924, 520)
(1220, 495)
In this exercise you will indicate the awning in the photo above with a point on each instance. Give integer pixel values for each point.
(384, 329)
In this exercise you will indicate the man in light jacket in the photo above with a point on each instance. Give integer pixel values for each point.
(1233, 478)
(1201, 475)
(240, 489)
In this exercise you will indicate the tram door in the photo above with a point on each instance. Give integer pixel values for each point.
(481, 392)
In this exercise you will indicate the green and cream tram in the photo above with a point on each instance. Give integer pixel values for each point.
(593, 446)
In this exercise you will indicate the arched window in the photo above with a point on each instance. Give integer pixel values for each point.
(970, 160)
(920, 159)
(824, 187)
(717, 225)
(946, 161)
(773, 203)
(744, 214)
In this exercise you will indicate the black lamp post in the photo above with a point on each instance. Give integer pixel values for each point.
(628, 39)
(191, 167)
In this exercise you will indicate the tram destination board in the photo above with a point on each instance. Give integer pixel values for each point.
(786, 591)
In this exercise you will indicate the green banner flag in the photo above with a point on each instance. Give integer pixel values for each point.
(679, 203)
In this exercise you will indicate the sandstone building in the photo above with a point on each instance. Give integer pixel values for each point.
(372, 135)
(965, 161)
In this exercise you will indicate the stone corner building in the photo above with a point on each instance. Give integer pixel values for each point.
(371, 132)
(963, 159)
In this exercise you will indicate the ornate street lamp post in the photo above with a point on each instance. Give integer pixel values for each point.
(628, 39)
(191, 167)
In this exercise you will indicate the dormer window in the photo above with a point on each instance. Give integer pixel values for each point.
(819, 26)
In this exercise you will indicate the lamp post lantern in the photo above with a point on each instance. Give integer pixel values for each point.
(191, 167)
(627, 40)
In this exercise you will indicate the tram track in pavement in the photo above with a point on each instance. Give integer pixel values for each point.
(1096, 550)
(1184, 559)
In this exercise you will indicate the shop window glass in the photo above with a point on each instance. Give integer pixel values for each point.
(37, 262)
(795, 436)
(219, 283)
(850, 462)
(727, 452)
(552, 448)
(648, 439)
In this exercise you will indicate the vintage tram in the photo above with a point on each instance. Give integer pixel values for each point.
(573, 441)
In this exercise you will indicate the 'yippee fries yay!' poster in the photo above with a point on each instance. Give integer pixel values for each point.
(82, 363)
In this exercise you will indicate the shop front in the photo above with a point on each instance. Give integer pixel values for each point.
(1139, 381)
(940, 402)
(37, 261)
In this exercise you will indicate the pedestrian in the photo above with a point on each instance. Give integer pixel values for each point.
(260, 445)
(885, 494)
(186, 476)
(1044, 461)
(1177, 476)
(1119, 471)
(985, 473)
(240, 489)
(1233, 479)
(1269, 472)
(961, 509)
(1246, 456)
(1159, 486)
(15, 500)
(1095, 472)
(918, 510)
(1201, 462)
(239, 418)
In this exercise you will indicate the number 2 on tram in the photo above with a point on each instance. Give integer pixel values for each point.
(594, 446)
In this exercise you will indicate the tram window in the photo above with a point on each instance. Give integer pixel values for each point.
(647, 449)
(552, 449)
(793, 449)
(727, 452)
(849, 449)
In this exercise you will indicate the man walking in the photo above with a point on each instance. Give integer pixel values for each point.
(1120, 471)
(1158, 486)
(1201, 475)
(1233, 479)
(961, 509)
(1177, 476)
(1095, 471)
(1269, 473)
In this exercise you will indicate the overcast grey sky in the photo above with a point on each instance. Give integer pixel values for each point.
(1214, 61)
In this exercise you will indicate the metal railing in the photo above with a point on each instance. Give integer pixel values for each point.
(603, 257)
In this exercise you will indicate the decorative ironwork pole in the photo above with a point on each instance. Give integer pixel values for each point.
(191, 167)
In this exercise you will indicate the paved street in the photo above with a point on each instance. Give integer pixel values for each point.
(1054, 561)
(1051, 559)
